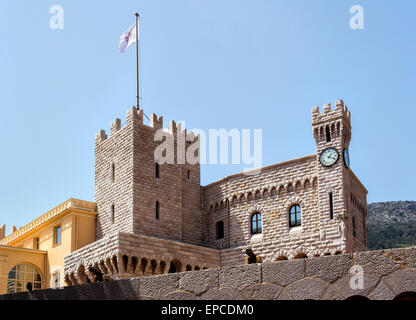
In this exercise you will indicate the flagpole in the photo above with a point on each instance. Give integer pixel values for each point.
(137, 57)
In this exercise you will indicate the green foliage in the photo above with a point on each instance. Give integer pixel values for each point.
(391, 225)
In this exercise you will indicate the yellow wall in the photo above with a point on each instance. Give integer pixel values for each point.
(11, 256)
(77, 230)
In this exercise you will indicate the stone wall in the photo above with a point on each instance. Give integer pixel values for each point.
(125, 177)
(124, 255)
(272, 192)
(113, 196)
(387, 274)
(190, 213)
(235, 199)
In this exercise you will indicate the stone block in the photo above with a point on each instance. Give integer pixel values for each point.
(381, 292)
(180, 295)
(240, 277)
(380, 262)
(332, 293)
(199, 282)
(307, 288)
(344, 287)
(125, 289)
(222, 294)
(410, 257)
(158, 286)
(284, 295)
(283, 272)
(262, 291)
(402, 281)
(329, 268)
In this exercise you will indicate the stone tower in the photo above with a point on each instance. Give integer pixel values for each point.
(336, 182)
(136, 195)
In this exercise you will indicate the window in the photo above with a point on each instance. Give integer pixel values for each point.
(354, 233)
(189, 174)
(219, 230)
(295, 216)
(157, 170)
(36, 243)
(112, 172)
(256, 226)
(157, 210)
(56, 279)
(328, 135)
(57, 236)
(21, 275)
(112, 213)
(331, 206)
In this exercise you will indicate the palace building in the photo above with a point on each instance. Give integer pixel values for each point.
(149, 218)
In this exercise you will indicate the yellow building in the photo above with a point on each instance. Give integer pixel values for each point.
(35, 253)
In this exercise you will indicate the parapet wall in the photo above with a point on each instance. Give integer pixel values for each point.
(124, 255)
(387, 274)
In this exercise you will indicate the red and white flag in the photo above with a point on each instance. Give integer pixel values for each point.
(128, 38)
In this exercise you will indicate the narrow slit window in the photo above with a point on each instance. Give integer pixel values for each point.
(112, 213)
(157, 169)
(58, 235)
(112, 172)
(354, 231)
(157, 210)
(189, 174)
(331, 206)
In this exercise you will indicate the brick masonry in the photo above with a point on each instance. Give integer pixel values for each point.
(387, 274)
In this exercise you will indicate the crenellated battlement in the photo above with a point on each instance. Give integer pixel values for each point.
(135, 117)
(332, 122)
(155, 122)
(115, 126)
(329, 113)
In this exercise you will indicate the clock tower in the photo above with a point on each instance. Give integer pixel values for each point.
(332, 133)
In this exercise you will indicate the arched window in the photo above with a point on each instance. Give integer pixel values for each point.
(21, 275)
(219, 230)
(256, 225)
(295, 216)
(157, 210)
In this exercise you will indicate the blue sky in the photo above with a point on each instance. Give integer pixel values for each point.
(216, 64)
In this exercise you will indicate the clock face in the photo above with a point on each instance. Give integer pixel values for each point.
(329, 157)
(346, 156)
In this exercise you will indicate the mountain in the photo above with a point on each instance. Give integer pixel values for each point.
(391, 224)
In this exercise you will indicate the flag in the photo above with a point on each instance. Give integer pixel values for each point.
(128, 38)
